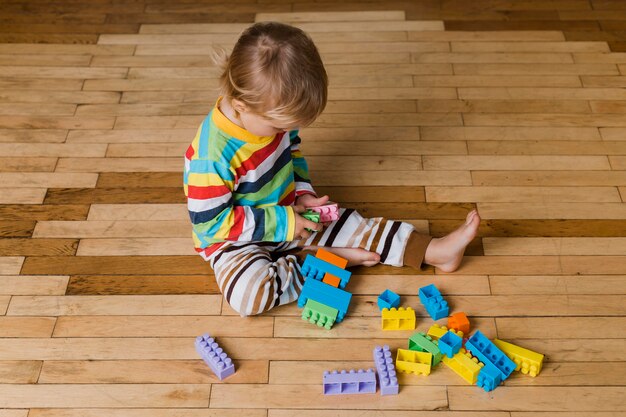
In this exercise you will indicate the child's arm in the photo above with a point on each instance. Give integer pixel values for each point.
(300, 168)
(214, 217)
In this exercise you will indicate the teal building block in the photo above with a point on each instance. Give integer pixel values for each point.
(487, 352)
(313, 267)
(326, 294)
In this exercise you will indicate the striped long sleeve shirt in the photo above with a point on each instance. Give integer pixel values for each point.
(241, 187)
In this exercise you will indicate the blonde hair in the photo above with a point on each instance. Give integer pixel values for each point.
(276, 71)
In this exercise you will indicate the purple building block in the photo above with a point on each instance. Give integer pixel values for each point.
(386, 371)
(450, 343)
(214, 356)
(349, 382)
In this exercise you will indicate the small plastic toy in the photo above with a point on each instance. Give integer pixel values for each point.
(328, 212)
(349, 382)
(459, 321)
(219, 362)
(328, 295)
(330, 279)
(316, 268)
(422, 343)
(450, 343)
(526, 361)
(436, 331)
(435, 305)
(489, 377)
(320, 314)
(386, 371)
(388, 299)
(331, 258)
(487, 352)
(464, 365)
(398, 319)
(411, 361)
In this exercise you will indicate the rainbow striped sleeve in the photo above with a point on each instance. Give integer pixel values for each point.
(300, 168)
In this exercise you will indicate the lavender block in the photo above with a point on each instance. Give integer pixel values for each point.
(214, 356)
(386, 371)
(349, 382)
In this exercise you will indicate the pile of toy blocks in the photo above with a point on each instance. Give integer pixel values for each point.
(477, 360)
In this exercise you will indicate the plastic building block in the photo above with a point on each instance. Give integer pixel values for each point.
(328, 212)
(311, 215)
(436, 331)
(313, 267)
(320, 314)
(214, 356)
(331, 258)
(349, 382)
(387, 377)
(330, 279)
(487, 352)
(413, 362)
(435, 305)
(327, 295)
(398, 319)
(422, 343)
(526, 361)
(459, 321)
(450, 343)
(388, 299)
(489, 377)
(464, 365)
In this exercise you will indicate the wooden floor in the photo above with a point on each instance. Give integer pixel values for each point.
(101, 294)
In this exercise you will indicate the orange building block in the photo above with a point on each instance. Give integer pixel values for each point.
(331, 258)
(330, 279)
(459, 321)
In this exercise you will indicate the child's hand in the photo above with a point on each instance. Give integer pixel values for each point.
(309, 200)
(302, 224)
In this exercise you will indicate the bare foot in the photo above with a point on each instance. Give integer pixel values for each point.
(446, 253)
(355, 256)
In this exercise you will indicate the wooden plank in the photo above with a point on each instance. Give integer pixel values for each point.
(39, 247)
(147, 372)
(159, 326)
(496, 81)
(549, 178)
(130, 136)
(495, 246)
(388, 413)
(543, 284)
(142, 284)
(550, 119)
(56, 122)
(89, 164)
(104, 395)
(542, 93)
(600, 81)
(541, 67)
(14, 228)
(20, 109)
(618, 162)
(43, 96)
(114, 195)
(548, 147)
(4, 303)
(51, 150)
(560, 327)
(385, 178)
(19, 372)
(523, 194)
(33, 135)
(115, 305)
(359, 16)
(46, 180)
(508, 133)
(104, 229)
(138, 212)
(503, 106)
(26, 164)
(17, 213)
(62, 72)
(56, 49)
(33, 285)
(539, 398)
(616, 106)
(612, 58)
(22, 195)
(143, 412)
(26, 326)
(515, 162)
(558, 47)
(188, 27)
(539, 210)
(493, 58)
(135, 247)
(11, 265)
(486, 36)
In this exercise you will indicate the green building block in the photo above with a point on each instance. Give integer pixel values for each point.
(422, 343)
(320, 314)
(312, 216)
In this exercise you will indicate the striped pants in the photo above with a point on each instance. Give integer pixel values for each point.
(257, 276)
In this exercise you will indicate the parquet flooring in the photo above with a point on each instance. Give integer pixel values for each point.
(516, 108)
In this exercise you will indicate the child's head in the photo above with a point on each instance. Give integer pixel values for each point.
(274, 79)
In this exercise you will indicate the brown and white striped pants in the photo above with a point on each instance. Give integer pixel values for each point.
(257, 276)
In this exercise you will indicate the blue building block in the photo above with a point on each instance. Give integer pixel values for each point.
(435, 305)
(316, 268)
(487, 352)
(386, 371)
(349, 382)
(450, 343)
(489, 377)
(388, 299)
(326, 294)
(214, 356)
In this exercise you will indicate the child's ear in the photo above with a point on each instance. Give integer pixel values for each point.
(239, 106)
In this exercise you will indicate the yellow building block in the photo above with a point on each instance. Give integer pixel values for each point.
(398, 319)
(464, 365)
(331, 258)
(436, 331)
(526, 361)
(413, 362)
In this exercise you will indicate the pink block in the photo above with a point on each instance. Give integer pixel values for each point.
(328, 212)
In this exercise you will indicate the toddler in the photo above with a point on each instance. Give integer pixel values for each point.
(247, 183)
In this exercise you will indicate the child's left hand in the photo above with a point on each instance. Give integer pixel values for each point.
(309, 200)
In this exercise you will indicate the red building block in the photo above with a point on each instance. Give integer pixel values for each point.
(459, 321)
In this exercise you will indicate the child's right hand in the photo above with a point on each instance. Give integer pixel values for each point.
(302, 224)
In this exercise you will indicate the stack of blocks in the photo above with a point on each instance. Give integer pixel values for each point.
(327, 213)
(323, 297)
